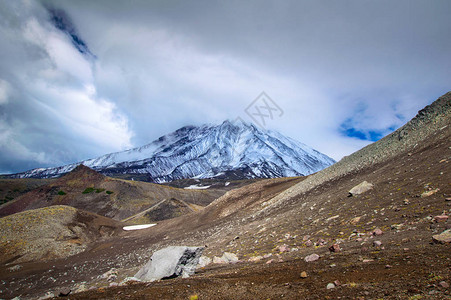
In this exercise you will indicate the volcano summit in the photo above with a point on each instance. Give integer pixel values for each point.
(232, 150)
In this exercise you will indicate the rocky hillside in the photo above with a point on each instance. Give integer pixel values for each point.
(432, 121)
(86, 189)
(50, 233)
(13, 188)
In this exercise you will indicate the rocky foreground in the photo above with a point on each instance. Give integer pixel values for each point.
(375, 225)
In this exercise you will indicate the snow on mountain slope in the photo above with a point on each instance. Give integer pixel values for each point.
(208, 151)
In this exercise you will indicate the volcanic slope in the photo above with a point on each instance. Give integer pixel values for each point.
(51, 232)
(272, 225)
(86, 189)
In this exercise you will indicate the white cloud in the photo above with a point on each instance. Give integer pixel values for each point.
(56, 116)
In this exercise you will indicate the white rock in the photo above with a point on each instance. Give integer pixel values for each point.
(311, 257)
(361, 188)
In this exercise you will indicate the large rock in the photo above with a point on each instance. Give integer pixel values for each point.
(171, 262)
(360, 188)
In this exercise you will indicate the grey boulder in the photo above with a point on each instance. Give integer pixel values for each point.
(360, 188)
(171, 262)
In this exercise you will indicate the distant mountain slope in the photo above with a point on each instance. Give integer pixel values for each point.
(86, 189)
(233, 148)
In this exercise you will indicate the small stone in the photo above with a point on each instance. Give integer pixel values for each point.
(269, 261)
(332, 265)
(429, 193)
(304, 274)
(311, 257)
(447, 199)
(111, 275)
(441, 218)
(321, 242)
(309, 243)
(64, 292)
(284, 248)
(368, 260)
(355, 220)
(442, 238)
(255, 258)
(388, 266)
(334, 248)
(337, 283)
(406, 201)
(330, 286)
(396, 226)
(377, 243)
(444, 284)
(80, 288)
(377, 232)
(48, 295)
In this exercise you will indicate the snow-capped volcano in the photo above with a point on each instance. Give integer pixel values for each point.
(208, 151)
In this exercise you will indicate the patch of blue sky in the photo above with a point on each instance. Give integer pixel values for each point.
(347, 129)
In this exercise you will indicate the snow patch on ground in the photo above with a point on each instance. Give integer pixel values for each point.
(137, 227)
(197, 187)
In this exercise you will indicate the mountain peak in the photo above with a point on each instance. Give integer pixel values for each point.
(83, 173)
(233, 147)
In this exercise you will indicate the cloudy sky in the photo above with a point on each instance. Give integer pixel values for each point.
(79, 79)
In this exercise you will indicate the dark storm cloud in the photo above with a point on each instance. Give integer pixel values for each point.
(344, 72)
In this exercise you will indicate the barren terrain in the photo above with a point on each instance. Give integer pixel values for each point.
(380, 244)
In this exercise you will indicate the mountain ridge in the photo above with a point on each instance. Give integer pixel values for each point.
(206, 151)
